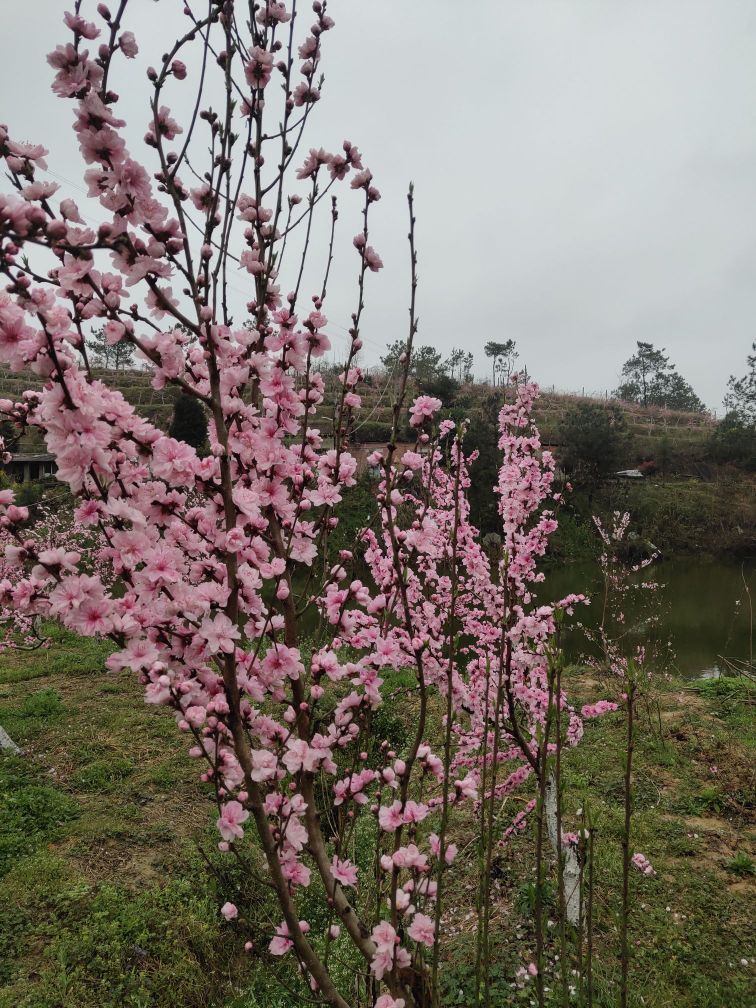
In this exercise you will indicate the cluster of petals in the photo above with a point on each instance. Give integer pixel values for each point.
(191, 563)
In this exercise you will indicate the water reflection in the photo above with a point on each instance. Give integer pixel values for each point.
(703, 609)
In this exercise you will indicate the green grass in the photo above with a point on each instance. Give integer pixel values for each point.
(741, 864)
(71, 943)
(692, 922)
(690, 926)
(105, 900)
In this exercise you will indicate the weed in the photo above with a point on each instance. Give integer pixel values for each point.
(741, 864)
(103, 775)
(31, 812)
(46, 703)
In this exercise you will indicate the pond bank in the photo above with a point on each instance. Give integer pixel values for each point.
(681, 517)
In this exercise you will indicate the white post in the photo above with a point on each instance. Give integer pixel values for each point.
(571, 872)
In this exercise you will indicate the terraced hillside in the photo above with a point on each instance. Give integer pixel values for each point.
(157, 406)
(681, 436)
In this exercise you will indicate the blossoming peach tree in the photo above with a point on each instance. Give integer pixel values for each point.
(217, 563)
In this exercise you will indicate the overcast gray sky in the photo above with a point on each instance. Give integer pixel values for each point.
(585, 170)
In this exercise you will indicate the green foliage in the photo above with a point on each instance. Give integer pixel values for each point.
(112, 948)
(433, 375)
(594, 443)
(67, 941)
(741, 397)
(741, 864)
(189, 423)
(733, 698)
(46, 703)
(31, 812)
(458, 365)
(30, 493)
(31, 715)
(154, 938)
(664, 454)
(739, 689)
(457, 977)
(687, 516)
(734, 441)
(391, 360)
(574, 540)
(119, 356)
(357, 511)
(675, 393)
(442, 386)
(75, 656)
(103, 775)
(425, 362)
(370, 432)
(651, 380)
(688, 928)
(482, 436)
(503, 356)
(526, 897)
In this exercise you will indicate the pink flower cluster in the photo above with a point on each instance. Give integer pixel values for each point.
(641, 862)
(60, 542)
(201, 569)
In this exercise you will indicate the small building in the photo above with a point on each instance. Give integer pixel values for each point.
(26, 467)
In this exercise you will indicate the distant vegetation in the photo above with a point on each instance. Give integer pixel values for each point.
(699, 488)
(650, 380)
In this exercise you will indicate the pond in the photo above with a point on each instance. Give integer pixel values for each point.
(704, 609)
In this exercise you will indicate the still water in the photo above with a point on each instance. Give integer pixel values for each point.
(704, 609)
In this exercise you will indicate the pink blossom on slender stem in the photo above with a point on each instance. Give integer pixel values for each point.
(203, 571)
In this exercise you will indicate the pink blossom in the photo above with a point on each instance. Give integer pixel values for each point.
(281, 943)
(598, 708)
(232, 816)
(642, 863)
(219, 633)
(344, 872)
(259, 68)
(423, 409)
(128, 44)
(390, 817)
(205, 571)
(372, 260)
(422, 930)
(84, 28)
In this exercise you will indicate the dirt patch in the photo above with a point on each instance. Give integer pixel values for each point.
(743, 887)
(710, 825)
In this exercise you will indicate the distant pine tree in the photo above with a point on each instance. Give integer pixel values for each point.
(741, 397)
(595, 443)
(189, 423)
(117, 356)
(651, 380)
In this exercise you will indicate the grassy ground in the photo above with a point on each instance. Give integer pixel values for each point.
(692, 931)
(105, 899)
(98, 827)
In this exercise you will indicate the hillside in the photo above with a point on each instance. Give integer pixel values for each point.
(681, 437)
(135, 385)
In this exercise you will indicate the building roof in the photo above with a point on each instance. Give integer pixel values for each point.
(32, 457)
